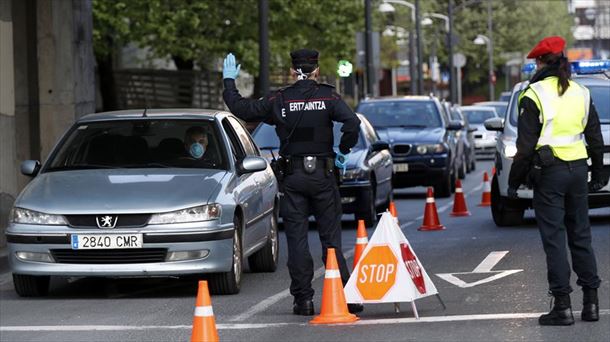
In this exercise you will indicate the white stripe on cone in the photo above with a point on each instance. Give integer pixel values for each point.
(332, 274)
(204, 311)
(458, 190)
(430, 200)
(487, 187)
(362, 240)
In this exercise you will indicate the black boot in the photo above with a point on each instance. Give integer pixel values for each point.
(355, 308)
(590, 305)
(303, 308)
(561, 314)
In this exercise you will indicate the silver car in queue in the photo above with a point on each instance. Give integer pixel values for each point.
(120, 196)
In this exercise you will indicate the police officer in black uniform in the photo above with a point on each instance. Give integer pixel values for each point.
(303, 115)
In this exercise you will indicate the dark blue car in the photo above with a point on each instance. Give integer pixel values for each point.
(421, 138)
(366, 185)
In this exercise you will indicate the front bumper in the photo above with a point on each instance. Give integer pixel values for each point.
(426, 170)
(217, 241)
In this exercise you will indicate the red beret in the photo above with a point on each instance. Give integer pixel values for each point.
(554, 44)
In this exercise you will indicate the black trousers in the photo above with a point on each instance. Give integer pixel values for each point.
(562, 211)
(306, 194)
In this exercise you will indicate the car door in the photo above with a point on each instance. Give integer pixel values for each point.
(260, 199)
(379, 161)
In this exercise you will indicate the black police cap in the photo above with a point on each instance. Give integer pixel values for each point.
(305, 59)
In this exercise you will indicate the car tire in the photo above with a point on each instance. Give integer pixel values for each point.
(505, 212)
(265, 259)
(31, 286)
(230, 282)
(369, 215)
(443, 188)
(463, 169)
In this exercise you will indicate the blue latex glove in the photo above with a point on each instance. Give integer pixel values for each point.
(341, 161)
(230, 68)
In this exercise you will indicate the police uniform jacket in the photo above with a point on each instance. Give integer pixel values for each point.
(319, 106)
(530, 126)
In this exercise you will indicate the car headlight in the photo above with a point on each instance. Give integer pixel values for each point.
(194, 214)
(20, 215)
(510, 150)
(433, 148)
(353, 174)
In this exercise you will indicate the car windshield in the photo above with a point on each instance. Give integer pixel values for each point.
(140, 144)
(416, 114)
(499, 107)
(600, 97)
(265, 137)
(478, 116)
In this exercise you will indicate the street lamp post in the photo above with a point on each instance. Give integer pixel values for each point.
(420, 72)
(385, 7)
(484, 40)
(428, 21)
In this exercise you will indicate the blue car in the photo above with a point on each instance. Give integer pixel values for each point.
(366, 185)
(422, 140)
(146, 194)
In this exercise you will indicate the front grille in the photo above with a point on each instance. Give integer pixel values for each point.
(124, 221)
(401, 149)
(109, 256)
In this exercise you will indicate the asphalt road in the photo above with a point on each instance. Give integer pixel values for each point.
(496, 310)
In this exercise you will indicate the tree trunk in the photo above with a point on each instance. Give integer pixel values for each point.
(185, 87)
(108, 89)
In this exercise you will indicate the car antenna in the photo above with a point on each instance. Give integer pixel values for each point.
(144, 114)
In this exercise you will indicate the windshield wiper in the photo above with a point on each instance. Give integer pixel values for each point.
(81, 167)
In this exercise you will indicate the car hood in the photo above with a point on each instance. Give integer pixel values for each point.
(411, 135)
(120, 191)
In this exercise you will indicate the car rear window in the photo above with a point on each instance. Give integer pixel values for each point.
(478, 117)
(139, 144)
(401, 113)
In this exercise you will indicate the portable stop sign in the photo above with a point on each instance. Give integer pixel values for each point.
(388, 271)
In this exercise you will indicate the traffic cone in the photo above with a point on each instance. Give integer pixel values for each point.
(431, 221)
(204, 324)
(493, 171)
(334, 307)
(361, 241)
(392, 209)
(486, 197)
(459, 203)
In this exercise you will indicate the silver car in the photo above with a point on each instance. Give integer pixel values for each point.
(484, 141)
(146, 193)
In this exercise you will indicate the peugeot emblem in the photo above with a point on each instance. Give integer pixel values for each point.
(106, 221)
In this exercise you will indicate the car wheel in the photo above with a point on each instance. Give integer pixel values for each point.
(230, 282)
(31, 286)
(386, 204)
(265, 260)
(443, 188)
(463, 169)
(369, 215)
(504, 211)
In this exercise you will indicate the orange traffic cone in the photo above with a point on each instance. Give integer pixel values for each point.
(431, 221)
(334, 307)
(486, 197)
(204, 324)
(361, 241)
(493, 171)
(392, 209)
(459, 203)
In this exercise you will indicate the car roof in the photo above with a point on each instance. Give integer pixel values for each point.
(179, 113)
(398, 98)
(479, 108)
(585, 79)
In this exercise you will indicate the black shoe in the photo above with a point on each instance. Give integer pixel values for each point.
(561, 314)
(303, 308)
(590, 305)
(355, 308)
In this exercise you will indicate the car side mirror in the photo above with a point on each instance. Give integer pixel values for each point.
(380, 145)
(455, 125)
(252, 164)
(30, 167)
(494, 124)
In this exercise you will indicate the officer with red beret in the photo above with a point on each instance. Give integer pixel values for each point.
(556, 118)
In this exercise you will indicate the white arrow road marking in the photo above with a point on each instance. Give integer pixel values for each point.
(483, 268)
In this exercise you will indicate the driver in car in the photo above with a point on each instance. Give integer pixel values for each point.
(196, 142)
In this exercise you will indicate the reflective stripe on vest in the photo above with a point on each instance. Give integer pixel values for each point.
(563, 117)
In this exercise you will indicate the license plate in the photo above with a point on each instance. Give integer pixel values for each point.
(106, 241)
(401, 167)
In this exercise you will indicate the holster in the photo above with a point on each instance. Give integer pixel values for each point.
(543, 157)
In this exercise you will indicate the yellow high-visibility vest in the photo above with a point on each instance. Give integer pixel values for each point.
(563, 117)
